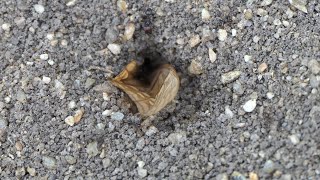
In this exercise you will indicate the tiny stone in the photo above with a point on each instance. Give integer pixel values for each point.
(266, 2)
(294, 139)
(46, 79)
(106, 162)
(72, 105)
(39, 8)
(286, 177)
(314, 66)
(21, 96)
(195, 40)
(256, 39)
(44, 56)
(270, 95)
(7, 99)
(122, 5)
(111, 126)
(111, 35)
(277, 22)
(151, 131)
(207, 35)
(50, 36)
(261, 12)
(107, 113)
(212, 55)
(19, 20)
(89, 83)
(286, 23)
(250, 105)
(299, 4)
(233, 32)
(105, 96)
(248, 14)
(238, 176)
(118, 116)
(6, 27)
(223, 176)
(140, 164)
(19, 146)
(140, 143)
(64, 42)
(20, 172)
(129, 31)
(101, 126)
(253, 176)
(269, 167)
(178, 137)
(54, 42)
(205, 14)
(228, 112)
(222, 34)
(247, 58)
(142, 172)
(50, 62)
(180, 41)
(70, 159)
(238, 88)
(49, 162)
(78, 115)
(69, 120)
(230, 76)
(71, 2)
(262, 67)
(31, 171)
(92, 149)
(114, 48)
(195, 67)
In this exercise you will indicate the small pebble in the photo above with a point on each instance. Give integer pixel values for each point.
(114, 48)
(129, 31)
(314, 66)
(294, 139)
(238, 88)
(71, 2)
(195, 40)
(299, 4)
(117, 116)
(286, 23)
(142, 172)
(21, 96)
(247, 58)
(230, 76)
(50, 36)
(253, 176)
(205, 14)
(111, 35)
(269, 167)
(248, 14)
(228, 112)
(31, 171)
(46, 79)
(39, 8)
(250, 105)
(151, 131)
(195, 67)
(286, 177)
(69, 120)
(50, 62)
(222, 34)
(261, 12)
(54, 42)
(101, 126)
(212, 55)
(177, 137)
(107, 113)
(140, 164)
(122, 6)
(262, 67)
(72, 105)
(237, 176)
(49, 162)
(270, 95)
(92, 149)
(70, 159)
(19, 20)
(266, 2)
(256, 39)
(277, 22)
(44, 56)
(6, 27)
(233, 32)
(106, 162)
(64, 43)
(89, 83)
(222, 176)
(78, 115)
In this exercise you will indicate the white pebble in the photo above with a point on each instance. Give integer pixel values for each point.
(266, 2)
(114, 48)
(44, 56)
(46, 79)
(294, 139)
(151, 131)
(247, 58)
(7, 99)
(72, 105)
(205, 14)
(250, 105)
(270, 95)
(222, 34)
(286, 23)
(129, 31)
(256, 39)
(50, 36)
(228, 112)
(142, 172)
(71, 2)
(64, 42)
(105, 96)
(212, 55)
(39, 8)
(50, 62)
(140, 164)
(69, 120)
(233, 32)
(6, 27)
(107, 113)
(277, 22)
(118, 116)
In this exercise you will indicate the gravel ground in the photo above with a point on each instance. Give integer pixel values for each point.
(249, 109)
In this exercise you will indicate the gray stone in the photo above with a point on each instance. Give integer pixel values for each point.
(49, 162)
(21, 96)
(117, 116)
(230, 76)
(92, 149)
(71, 159)
(314, 66)
(111, 35)
(269, 167)
(89, 83)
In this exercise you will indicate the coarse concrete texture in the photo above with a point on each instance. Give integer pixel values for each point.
(250, 111)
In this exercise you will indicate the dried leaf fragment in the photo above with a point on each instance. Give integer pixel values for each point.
(152, 92)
